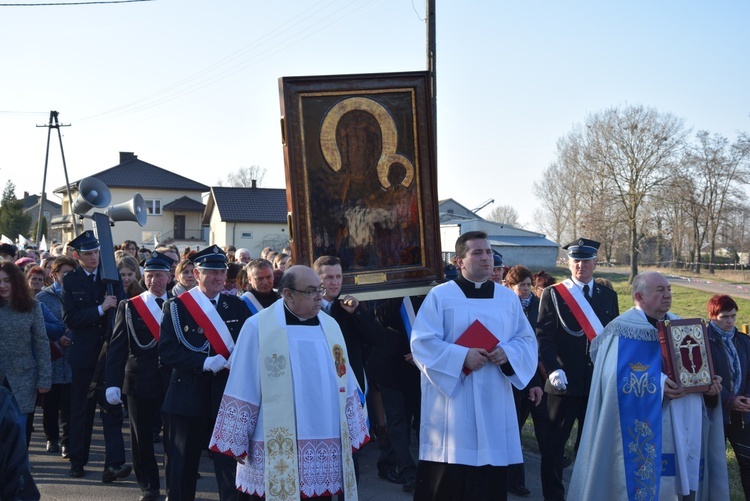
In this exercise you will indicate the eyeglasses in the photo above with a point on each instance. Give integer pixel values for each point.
(311, 292)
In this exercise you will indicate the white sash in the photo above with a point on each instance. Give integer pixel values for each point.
(279, 422)
(150, 301)
(586, 308)
(252, 302)
(210, 311)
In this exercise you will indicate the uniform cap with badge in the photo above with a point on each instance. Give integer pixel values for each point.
(84, 242)
(157, 261)
(211, 258)
(582, 249)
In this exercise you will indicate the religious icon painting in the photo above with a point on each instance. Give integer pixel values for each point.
(686, 353)
(362, 178)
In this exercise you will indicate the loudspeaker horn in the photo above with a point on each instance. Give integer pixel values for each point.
(91, 193)
(133, 210)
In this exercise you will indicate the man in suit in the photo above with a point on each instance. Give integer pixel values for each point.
(198, 332)
(571, 314)
(261, 294)
(87, 309)
(133, 368)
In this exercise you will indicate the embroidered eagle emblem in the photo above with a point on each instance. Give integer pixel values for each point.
(275, 365)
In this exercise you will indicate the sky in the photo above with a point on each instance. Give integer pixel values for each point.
(192, 86)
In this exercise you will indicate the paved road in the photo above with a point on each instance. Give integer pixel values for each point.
(51, 474)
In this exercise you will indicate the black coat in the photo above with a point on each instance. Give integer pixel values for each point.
(386, 365)
(88, 331)
(133, 369)
(721, 368)
(191, 391)
(560, 350)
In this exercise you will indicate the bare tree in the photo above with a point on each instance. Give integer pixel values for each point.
(245, 176)
(719, 171)
(505, 214)
(635, 150)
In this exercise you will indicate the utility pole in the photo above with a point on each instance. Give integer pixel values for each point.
(431, 66)
(54, 124)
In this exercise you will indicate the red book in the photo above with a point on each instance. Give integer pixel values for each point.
(477, 336)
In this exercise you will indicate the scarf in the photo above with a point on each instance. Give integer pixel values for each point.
(525, 302)
(735, 371)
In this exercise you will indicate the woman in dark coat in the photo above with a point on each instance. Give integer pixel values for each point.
(730, 351)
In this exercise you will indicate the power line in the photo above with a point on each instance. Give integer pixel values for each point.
(69, 3)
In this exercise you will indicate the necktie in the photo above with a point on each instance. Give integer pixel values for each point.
(586, 293)
(213, 302)
(92, 277)
(159, 302)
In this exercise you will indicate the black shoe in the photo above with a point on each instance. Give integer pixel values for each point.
(150, 495)
(566, 461)
(391, 476)
(408, 485)
(64, 452)
(52, 446)
(520, 490)
(112, 473)
(76, 471)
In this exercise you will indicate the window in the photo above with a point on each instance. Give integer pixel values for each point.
(247, 234)
(153, 207)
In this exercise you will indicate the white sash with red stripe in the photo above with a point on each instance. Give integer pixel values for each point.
(580, 308)
(145, 305)
(205, 315)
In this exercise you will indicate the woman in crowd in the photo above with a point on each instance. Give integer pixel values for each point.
(281, 262)
(35, 279)
(184, 276)
(57, 401)
(130, 273)
(130, 247)
(47, 267)
(541, 281)
(531, 399)
(730, 351)
(24, 353)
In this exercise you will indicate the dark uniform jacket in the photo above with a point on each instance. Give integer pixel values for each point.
(559, 349)
(193, 392)
(80, 304)
(130, 367)
(265, 300)
(386, 365)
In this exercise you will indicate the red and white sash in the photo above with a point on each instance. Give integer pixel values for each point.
(205, 315)
(580, 308)
(145, 305)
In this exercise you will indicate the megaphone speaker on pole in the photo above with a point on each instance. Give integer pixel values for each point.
(91, 193)
(132, 210)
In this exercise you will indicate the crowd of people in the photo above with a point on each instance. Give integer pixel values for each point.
(315, 374)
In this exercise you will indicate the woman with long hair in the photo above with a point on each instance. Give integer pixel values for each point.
(25, 367)
(130, 273)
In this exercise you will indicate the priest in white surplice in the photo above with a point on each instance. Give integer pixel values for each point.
(469, 433)
(291, 412)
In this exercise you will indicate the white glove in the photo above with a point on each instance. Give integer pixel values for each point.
(215, 363)
(558, 379)
(113, 395)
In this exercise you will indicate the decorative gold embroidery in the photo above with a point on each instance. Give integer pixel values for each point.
(282, 476)
(275, 365)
